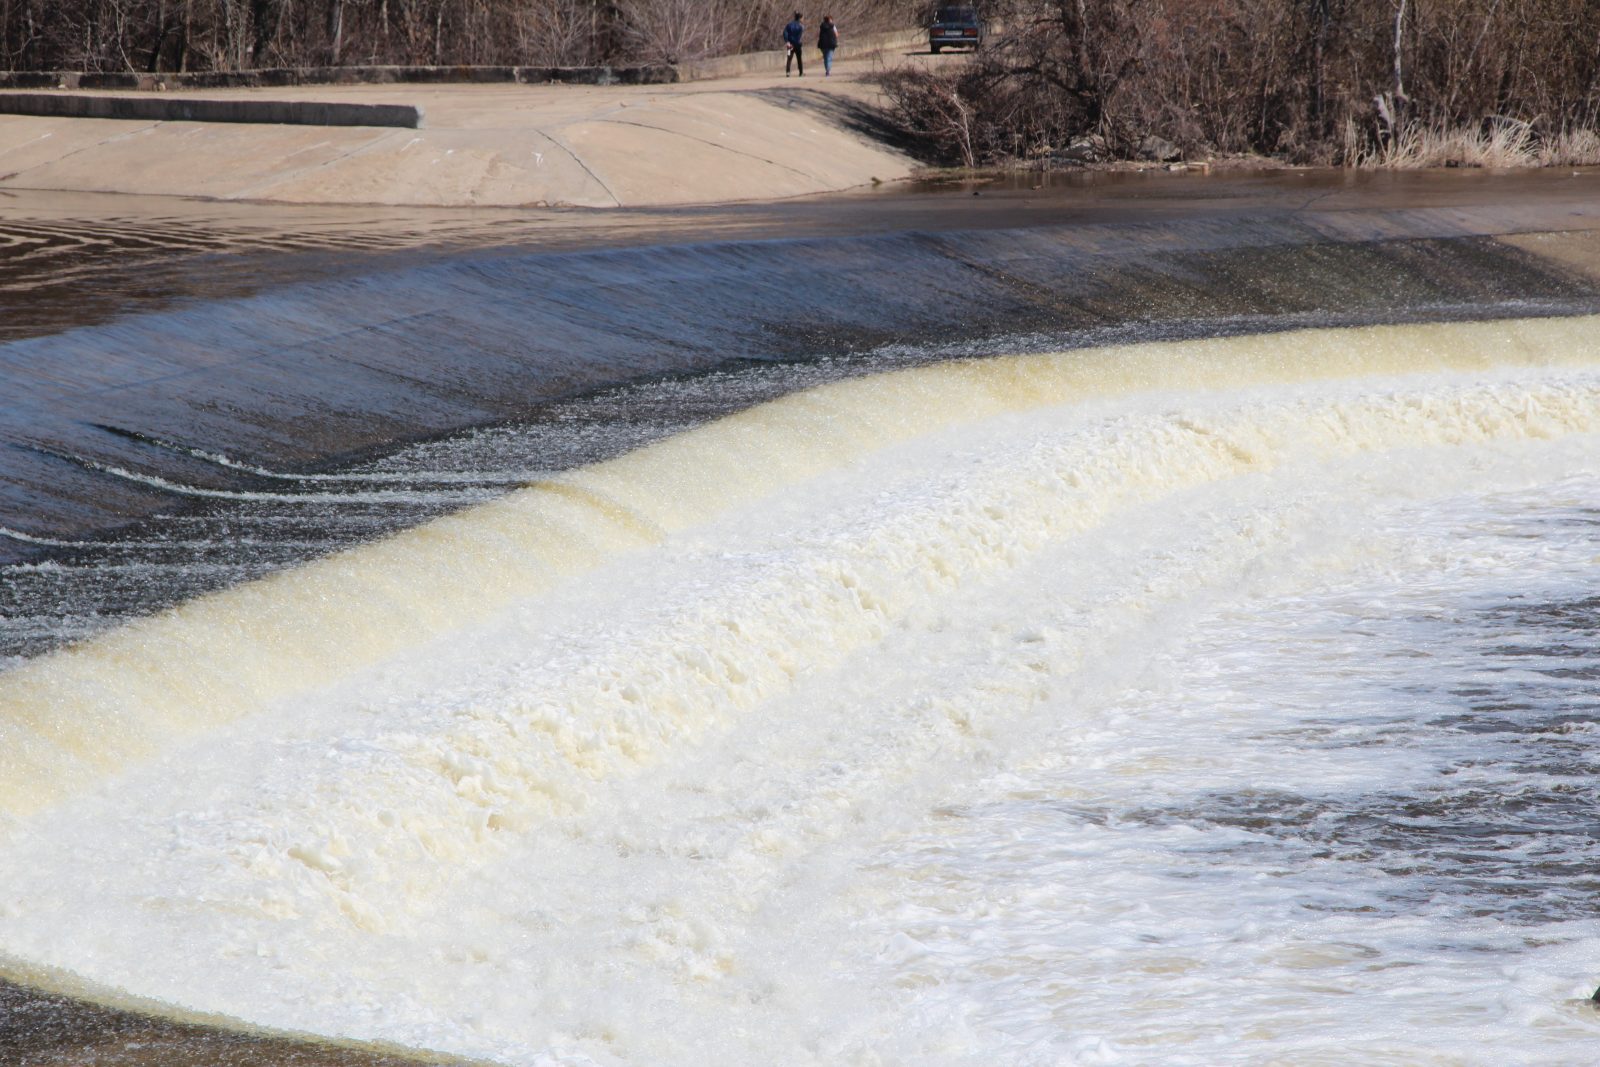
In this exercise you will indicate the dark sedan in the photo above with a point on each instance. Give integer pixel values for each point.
(955, 27)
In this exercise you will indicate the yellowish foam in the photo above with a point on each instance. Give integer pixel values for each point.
(75, 716)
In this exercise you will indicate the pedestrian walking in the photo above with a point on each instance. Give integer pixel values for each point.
(793, 35)
(827, 43)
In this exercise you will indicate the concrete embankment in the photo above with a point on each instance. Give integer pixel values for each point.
(503, 144)
(104, 424)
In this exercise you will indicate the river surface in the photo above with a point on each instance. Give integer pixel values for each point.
(1202, 701)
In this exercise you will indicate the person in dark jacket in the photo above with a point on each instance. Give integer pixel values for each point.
(827, 43)
(793, 34)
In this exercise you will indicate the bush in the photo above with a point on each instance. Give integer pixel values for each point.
(1313, 81)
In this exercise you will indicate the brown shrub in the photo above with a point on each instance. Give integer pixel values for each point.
(1308, 80)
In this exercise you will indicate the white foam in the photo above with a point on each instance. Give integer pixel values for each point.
(786, 756)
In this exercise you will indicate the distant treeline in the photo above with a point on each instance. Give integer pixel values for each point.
(188, 35)
(1353, 81)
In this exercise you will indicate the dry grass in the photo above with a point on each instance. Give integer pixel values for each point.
(1416, 146)
(1501, 143)
(1571, 148)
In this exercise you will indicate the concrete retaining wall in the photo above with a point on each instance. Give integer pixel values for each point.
(178, 109)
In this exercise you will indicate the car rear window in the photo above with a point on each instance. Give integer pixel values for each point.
(957, 14)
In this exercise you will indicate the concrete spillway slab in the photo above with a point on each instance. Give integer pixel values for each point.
(483, 145)
(100, 425)
(189, 109)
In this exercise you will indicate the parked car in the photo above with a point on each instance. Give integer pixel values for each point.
(956, 26)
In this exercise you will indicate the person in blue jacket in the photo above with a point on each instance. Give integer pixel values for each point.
(793, 34)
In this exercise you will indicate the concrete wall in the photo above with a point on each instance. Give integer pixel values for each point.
(179, 109)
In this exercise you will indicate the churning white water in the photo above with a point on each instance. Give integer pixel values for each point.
(1201, 703)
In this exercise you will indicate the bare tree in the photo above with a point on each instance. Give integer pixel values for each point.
(675, 31)
(559, 33)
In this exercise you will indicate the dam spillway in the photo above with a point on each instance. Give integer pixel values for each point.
(297, 377)
(204, 394)
(1206, 699)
